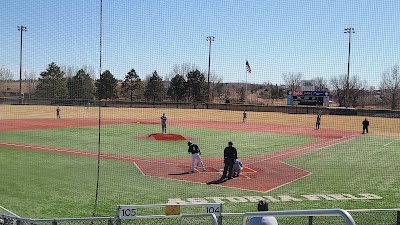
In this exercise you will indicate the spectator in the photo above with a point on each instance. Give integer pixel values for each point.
(265, 220)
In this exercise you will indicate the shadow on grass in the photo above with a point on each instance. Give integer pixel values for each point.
(219, 181)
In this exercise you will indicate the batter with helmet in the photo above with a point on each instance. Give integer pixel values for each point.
(196, 155)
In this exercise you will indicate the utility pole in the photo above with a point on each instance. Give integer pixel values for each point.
(209, 39)
(346, 97)
(21, 29)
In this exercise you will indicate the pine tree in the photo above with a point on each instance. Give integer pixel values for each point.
(155, 88)
(80, 86)
(197, 87)
(132, 86)
(106, 86)
(52, 83)
(178, 88)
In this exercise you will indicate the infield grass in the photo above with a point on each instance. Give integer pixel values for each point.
(122, 140)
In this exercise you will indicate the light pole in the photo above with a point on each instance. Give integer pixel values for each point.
(209, 39)
(346, 97)
(21, 29)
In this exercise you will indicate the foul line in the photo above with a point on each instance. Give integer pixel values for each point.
(391, 142)
(318, 146)
(388, 144)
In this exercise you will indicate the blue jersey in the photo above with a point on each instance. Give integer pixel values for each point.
(193, 148)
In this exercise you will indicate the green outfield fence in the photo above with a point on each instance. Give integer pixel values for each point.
(294, 217)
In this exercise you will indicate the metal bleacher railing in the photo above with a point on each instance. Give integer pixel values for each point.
(194, 216)
(295, 213)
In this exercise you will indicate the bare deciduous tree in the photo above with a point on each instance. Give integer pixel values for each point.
(321, 84)
(5, 77)
(215, 87)
(390, 88)
(5, 74)
(339, 85)
(31, 78)
(292, 80)
(356, 88)
(182, 70)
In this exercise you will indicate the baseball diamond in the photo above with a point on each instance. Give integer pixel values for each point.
(285, 156)
(257, 169)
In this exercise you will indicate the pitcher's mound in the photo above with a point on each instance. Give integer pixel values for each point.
(164, 137)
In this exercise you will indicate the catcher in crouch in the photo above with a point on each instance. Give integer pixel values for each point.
(196, 155)
(237, 168)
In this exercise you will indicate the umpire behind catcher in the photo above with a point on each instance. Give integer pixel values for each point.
(230, 156)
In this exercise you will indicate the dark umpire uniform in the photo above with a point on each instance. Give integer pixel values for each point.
(230, 155)
(365, 124)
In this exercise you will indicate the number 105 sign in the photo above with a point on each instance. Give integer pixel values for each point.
(126, 212)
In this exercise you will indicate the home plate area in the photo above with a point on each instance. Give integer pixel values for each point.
(219, 171)
(261, 176)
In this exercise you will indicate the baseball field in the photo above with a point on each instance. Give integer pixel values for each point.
(49, 166)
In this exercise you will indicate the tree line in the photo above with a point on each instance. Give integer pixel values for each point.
(54, 84)
(188, 84)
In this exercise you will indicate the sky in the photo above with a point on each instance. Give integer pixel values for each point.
(276, 37)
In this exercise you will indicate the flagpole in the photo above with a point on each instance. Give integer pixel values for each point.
(245, 91)
(248, 70)
(246, 84)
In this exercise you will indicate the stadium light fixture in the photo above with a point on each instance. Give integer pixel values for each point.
(346, 98)
(21, 29)
(209, 39)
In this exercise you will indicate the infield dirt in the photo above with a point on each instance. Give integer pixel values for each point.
(378, 125)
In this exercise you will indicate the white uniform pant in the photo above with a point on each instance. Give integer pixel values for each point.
(236, 169)
(197, 157)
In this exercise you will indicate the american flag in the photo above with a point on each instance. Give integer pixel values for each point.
(248, 69)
